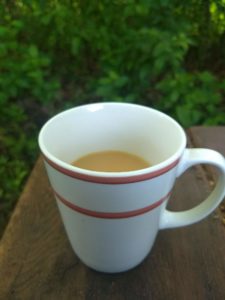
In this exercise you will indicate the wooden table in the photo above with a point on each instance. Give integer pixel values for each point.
(37, 262)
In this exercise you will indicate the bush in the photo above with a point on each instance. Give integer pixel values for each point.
(147, 52)
(57, 54)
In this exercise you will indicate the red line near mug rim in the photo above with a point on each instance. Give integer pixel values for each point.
(111, 215)
(111, 180)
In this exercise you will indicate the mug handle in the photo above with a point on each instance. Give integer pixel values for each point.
(190, 158)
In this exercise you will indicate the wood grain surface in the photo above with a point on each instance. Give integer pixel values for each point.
(37, 262)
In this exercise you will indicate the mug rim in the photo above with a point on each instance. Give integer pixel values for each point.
(112, 177)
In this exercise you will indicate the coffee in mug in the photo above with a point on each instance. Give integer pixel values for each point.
(111, 161)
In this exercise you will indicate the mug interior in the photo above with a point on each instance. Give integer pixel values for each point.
(132, 128)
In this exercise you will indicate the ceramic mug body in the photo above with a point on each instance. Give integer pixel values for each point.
(112, 218)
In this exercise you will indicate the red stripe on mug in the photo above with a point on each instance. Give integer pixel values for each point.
(111, 180)
(111, 215)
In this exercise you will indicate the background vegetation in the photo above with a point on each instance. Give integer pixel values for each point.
(168, 54)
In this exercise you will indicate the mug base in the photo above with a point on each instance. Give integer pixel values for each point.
(113, 269)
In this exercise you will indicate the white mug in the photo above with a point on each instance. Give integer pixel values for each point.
(112, 218)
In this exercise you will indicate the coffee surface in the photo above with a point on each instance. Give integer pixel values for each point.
(111, 161)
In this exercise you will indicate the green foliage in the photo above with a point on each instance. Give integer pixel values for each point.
(193, 98)
(56, 54)
(18, 151)
(24, 69)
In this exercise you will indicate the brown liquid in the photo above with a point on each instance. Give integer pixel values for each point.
(111, 161)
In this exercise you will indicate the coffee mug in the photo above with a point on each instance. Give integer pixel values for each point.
(112, 218)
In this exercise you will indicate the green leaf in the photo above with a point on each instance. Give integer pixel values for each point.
(187, 117)
(33, 51)
(3, 31)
